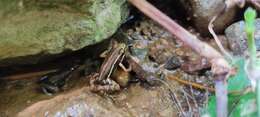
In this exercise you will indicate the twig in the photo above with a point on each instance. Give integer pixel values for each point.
(187, 101)
(207, 98)
(176, 102)
(30, 75)
(33, 75)
(212, 32)
(173, 96)
(193, 97)
(195, 85)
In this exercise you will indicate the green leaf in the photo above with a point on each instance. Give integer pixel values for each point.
(211, 107)
(210, 110)
(240, 80)
(238, 106)
(246, 107)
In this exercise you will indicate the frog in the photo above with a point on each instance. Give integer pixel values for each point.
(56, 81)
(101, 81)
(135, 54)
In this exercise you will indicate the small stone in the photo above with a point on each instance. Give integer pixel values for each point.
(195, 66)
(173, 63)
(161, 50)
(237, 39)
(202, 11)
(179, 52)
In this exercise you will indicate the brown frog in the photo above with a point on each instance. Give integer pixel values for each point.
(101, 81)
(137, 59)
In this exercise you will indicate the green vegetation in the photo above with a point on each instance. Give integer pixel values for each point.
(241, 102)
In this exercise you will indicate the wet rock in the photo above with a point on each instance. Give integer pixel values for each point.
(173, 63)
(196, 65)
(82, 103)
(76, 104)
(202, 11)
(32, 30)
(162, 50)
(237, 37)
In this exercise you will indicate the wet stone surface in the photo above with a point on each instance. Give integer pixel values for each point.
(82, 102)
(200, 12)
(34, 31)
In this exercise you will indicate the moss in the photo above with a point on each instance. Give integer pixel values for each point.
(30, 27)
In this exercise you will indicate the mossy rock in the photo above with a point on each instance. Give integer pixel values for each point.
(31, 30)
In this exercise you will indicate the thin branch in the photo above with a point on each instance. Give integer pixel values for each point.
(193, 97)
(188, 83)
(30, 75)
(212, 32)
(187, 101)
(173, 96)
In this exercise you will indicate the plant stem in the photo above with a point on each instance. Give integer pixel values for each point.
(222, 98)
(251, 47)
(250, 16)
(258, 97)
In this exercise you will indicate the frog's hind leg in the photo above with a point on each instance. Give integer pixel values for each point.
(104, 54)
(110, 87)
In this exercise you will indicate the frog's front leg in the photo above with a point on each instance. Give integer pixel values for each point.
(122, 66)
(104, 54)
